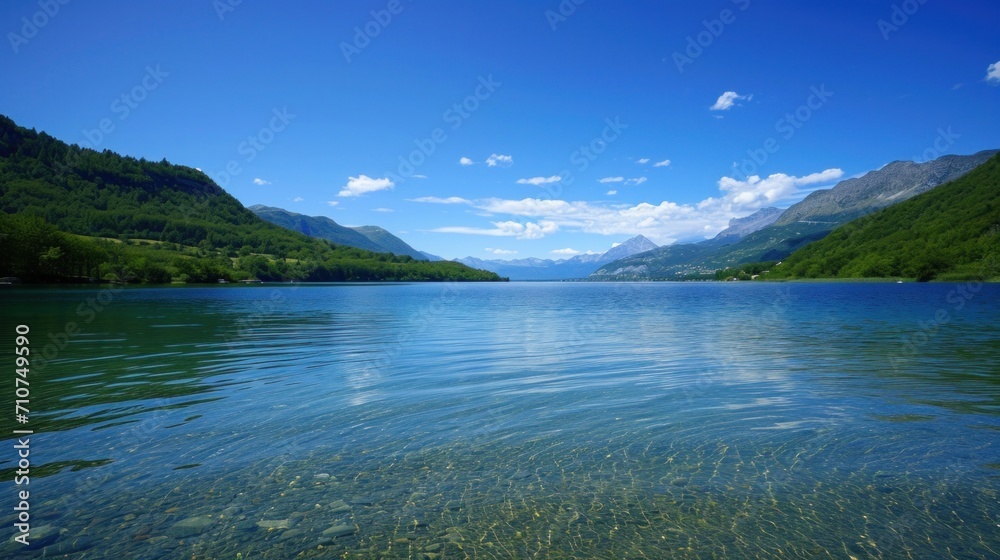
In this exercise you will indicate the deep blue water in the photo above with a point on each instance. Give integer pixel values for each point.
(556, 420)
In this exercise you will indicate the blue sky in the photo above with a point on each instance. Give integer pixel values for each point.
(512, 129)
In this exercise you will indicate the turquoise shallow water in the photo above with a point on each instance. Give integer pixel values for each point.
(516, 420)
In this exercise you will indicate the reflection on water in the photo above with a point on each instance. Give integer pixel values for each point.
(517, 420)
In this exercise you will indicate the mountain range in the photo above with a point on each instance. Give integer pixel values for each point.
(369, 238)
(809, 220)
(579, 266)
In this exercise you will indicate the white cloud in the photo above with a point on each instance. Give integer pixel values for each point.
(417, 176)
(383, 210)
(438, 200)
(636, 181)
(333, 202)
(537, 181)
(727, 100)
(663, 163)
(499, 160)
(567, 251)
(527, 230)
(993, 73)
(664, 222)
(642, 160)
(357, 186)
(258, 181)
(615, 244)
(465, 161)
(757, 192)
(611, 180)
(501, 251)
(612, 192)
(298, 199)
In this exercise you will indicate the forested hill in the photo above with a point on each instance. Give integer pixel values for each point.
(72, 213)
(949, 233)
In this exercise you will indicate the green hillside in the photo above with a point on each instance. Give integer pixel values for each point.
(74, 214)
(388, 241)
(949, 233)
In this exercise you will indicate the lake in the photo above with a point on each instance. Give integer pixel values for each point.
(548, 420)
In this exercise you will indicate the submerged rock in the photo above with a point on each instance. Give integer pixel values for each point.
(38, 538)
(340, 531)
(68, 546)
(190, 527)
(339, 506)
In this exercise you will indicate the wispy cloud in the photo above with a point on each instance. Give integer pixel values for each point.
(357, 186)
(527, 230)
(333, 202)
(539, 180)
(993, 73)
(501, 251)
(383, 210)
(664, 222)
(298, 199)
(567, 251)
(643, 161)
(258, 181)
(663, 163)
(611, 180)
(612, 192)
(497, 160)
(636, 181)
(439, 200)
(465, 161)
(418, 176)
(727, 100)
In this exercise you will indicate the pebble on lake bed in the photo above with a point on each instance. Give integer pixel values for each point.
(274, 523)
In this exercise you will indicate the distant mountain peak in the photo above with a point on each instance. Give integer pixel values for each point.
(635, 245)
